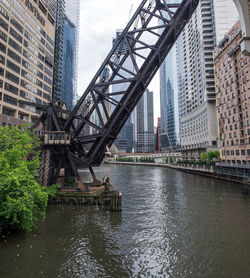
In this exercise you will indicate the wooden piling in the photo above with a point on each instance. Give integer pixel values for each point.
(116, 202)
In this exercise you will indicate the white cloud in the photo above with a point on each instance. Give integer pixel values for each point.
(98, 23)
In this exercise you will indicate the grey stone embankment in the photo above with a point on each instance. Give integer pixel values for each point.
(197, 170)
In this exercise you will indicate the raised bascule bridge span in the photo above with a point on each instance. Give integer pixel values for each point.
(73, 139)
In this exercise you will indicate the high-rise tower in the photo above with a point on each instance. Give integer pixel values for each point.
(27, 33)
(145, 123)
(169, 99)
(196, 86)
(66, 54)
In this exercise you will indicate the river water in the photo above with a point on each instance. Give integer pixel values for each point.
(173, 224)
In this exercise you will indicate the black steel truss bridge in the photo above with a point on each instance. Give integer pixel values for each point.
(79, 138)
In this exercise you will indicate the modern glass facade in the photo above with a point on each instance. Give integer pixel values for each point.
(169, 117)
(65, 84)
(169, 99)
(125, 141)
(145, 123)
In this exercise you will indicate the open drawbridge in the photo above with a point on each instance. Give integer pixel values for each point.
(79, 138)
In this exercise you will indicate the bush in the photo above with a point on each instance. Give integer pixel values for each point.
(125, 159)
(22, 199)
(147, 159)
(208, 157)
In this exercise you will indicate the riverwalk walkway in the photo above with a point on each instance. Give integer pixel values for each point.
(209, 171)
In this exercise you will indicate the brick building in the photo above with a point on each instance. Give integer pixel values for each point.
(232, 70)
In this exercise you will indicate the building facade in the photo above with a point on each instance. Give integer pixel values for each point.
(226, 15)
(70, 52)
(195, 70)
(66, 56)
(145, 123)
(233, 98)
(126, 138)
(169, 99)
(27, 31)
(196, 87)
(168, 91)
(157, 136)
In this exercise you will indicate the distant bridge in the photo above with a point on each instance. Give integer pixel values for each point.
(150, 155)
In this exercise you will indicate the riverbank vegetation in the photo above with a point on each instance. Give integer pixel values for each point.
(141, 159)
(206, 159)
(22, 199)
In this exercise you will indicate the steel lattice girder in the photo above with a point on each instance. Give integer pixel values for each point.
(145, 42)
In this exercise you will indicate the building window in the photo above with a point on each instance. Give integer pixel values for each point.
(23, 117)
(10, 88)
(12, 77)
(14, 56)
(3, 36)
(13, 66)
(2, 48)
(243, 152)
(4, 24)
(10, 100)
(8, 112)
(17, 25)
(237, 152)
(16, 35)
(15, 45)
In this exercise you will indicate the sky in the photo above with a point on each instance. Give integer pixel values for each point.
(98, 23)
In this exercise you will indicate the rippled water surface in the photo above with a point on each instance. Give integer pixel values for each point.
(173, 224)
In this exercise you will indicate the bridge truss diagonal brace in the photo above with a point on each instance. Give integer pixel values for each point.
(154, 19)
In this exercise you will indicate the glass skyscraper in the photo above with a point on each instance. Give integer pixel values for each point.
(125, 141)
(145, 123)
(168, 92)
(65, 72)
(169, 99)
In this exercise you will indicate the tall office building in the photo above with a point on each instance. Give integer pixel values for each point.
(226, 15)
(145, 123)
(27, 31)
(168, 94)
(67, 37)
(157, 136)
(196, 88)
(233, 98)
(57, 70)
(125, 141)
(169, 99)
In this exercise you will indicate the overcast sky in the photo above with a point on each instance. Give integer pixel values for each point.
(98, 23)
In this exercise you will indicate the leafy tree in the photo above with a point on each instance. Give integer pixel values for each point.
(22, 199)
(208, 157)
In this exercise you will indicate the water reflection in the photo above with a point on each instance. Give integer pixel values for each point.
(173, 224)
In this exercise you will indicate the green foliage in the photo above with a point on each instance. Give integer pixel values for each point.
(22, 199)
(141, 159)
(146, 159)
(208, 157)
(125, 159)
